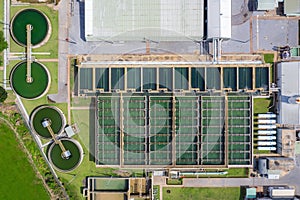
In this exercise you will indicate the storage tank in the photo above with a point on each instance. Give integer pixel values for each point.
(266, 148)
(267, 115)
(267, 121)
(267, 126)
(266, 143)
(266, 137)
(266, 132)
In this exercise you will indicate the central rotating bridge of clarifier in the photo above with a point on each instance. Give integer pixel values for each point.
(28, 53)
(65, 153)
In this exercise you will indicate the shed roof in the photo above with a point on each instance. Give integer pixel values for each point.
(159, 20)
(266, 4)
(289, 83)
(292, 7)
(219, 19)
(251, 193)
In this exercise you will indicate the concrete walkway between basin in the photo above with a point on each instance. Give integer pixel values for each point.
(63, 50)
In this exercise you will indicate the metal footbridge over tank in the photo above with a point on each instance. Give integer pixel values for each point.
(65, 153)
(29, 78)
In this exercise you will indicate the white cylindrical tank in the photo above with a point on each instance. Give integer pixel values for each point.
(269, 126)
(267, 121)
(266, 132)
(267, 115)
(266, 137)
(266, 148)
(266, 143)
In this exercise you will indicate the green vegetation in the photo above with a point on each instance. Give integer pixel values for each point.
(18, 178)
(3, 94)
(156, 192)
(261, 105)
(3, 45)
(201, 193)
(237, 172)
(232, 173)
(174, 181)
(269, 58)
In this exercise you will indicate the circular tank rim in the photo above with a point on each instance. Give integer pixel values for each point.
(80, 151)
(44, 41)
(61, 114)
(45, 91)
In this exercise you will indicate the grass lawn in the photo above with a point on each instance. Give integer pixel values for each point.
(52, 44)
(232, 173)
(19, 181)
(261, 105)
(156, 192)
(269, 58)
(1, 77)
(201, 193)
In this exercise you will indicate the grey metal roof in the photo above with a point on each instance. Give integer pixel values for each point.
(289, 83)
(219, 19)
(292, 7)
(159, 20)
(266, 4)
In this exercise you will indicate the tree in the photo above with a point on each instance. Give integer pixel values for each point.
(3, 94)
(3, 43)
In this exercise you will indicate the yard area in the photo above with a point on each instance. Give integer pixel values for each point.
(201, 193)
(19, 180)
(261, 105)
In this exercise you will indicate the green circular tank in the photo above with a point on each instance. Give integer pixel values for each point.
(59, 161)
(54, 114)
(30, 90)
(41, 27)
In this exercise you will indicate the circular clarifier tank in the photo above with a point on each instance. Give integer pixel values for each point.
(58, 159)
(41, 27)
(52, 113)
(34, 89)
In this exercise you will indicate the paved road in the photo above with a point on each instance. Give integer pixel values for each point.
(62, 95)
(291, 179)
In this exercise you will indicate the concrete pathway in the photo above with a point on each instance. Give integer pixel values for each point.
(291, 179)
(64, 15)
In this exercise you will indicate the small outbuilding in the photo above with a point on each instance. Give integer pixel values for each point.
(292, 7)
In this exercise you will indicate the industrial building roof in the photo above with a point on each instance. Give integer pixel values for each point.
(286, 142)
(251, 193)
(292, 7)
(219, 19)
(289, 83)
(267, 4)
(168, 20)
